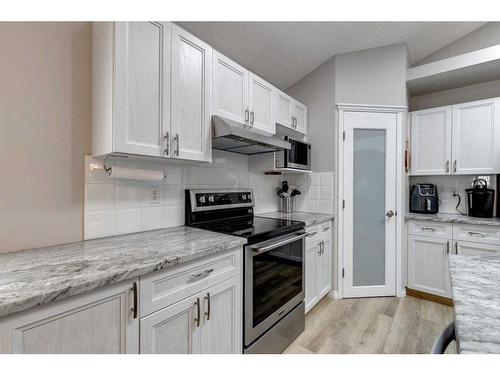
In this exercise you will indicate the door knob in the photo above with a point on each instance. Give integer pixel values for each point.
(390, 213)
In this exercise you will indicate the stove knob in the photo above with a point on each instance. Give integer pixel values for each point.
(249, 197)
(211, 198)
(202, 199)
(243, 197)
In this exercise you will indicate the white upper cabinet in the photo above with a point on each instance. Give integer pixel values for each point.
(142, 60)
(230, 89)
(300, 114)
(260, 103)
(284, 109)
(431, 141)
(290, 113)
(191, 97)
(460, 139)
(151, 91)
(476, 137)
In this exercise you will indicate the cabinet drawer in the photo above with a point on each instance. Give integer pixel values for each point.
(475, 249)
(314, 233)
(430, 229)
(476, 233)
(161, 289)
(326, 231)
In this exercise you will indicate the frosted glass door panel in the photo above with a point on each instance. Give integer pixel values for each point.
(369, 207)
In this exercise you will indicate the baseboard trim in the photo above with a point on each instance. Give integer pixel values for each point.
(429, 297)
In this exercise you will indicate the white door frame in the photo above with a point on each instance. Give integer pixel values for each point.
(400, 111)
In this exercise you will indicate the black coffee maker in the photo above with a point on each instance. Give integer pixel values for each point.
(424, 199)
(480, 199)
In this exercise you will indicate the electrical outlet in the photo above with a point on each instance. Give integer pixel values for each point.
(154, 195)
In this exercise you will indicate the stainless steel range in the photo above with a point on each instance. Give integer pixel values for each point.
(273, 264)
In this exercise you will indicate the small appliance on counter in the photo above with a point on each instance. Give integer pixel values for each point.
(287, 193)
(480, 199)
(424, 199)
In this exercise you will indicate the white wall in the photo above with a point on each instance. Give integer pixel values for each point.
(372, 76)
(45, 118)
(483, 37)
(317, 91)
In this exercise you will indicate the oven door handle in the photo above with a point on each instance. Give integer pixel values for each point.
(264, 249)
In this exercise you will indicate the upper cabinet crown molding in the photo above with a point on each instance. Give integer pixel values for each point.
(459, 139)
(139, 106)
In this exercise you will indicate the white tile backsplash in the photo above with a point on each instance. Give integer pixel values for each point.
(126, 206)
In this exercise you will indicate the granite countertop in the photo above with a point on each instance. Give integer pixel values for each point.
(475, 284)
(454, 218)
(32, 277)
(307, 217)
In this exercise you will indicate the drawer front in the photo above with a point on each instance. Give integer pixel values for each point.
(476, 233)
(476, 249)
(161, 289)
(314, 233)
(325, 231)
(430, 229)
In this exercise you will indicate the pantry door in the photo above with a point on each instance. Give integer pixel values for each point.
(369, 215)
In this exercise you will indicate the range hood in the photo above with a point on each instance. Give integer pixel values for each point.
(231, 136)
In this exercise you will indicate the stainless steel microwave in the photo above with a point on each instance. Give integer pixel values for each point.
(298, 157)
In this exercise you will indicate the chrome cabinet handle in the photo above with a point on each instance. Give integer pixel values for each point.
(322, 247)
(252, 118)
(447, 247)
(176, 139)
(319, 248)
(197, 319)
(428, 229)
(312, 234)
(246, 116)
(455, 166)
(207, 313)
(134, 308)
(447, 166)
(456, 248)
(293, 121)
(326, 229)
(478, 234)
(201, 274)
(167, 143)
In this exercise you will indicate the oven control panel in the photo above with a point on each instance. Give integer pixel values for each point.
(215, 199)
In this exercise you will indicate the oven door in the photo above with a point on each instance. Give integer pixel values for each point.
(299, 155)
(274, 281)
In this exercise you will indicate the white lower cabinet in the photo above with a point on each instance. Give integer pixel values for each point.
(208, 322)
(96, 322)
(428, 265)
(475, 248)
(318, 264)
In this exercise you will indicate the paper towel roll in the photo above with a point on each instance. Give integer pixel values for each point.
(136, 174)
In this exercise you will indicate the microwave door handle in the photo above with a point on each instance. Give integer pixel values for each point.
(264, 249)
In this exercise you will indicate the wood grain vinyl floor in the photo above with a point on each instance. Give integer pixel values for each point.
(372, 325)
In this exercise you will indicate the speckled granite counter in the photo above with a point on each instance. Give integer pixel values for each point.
(452, 218)
(307, 217)
(476, 296)
(31, 277)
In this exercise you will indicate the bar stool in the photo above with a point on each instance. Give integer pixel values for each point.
(444, 339)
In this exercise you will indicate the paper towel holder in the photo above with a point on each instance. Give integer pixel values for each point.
(108, 169)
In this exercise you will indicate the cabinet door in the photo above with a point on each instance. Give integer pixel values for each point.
(476, 141)
(475, 249)
(431, 141)
(311, 276)
(97, 322)
(283, 109)
(261, 105)
(142, 87)
(173, 330)
(230, 89)
(222, 318)
(300, 113)
(325, 268)
(191, 97)
(428, 265)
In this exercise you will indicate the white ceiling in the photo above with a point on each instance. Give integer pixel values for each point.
(284, 52)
